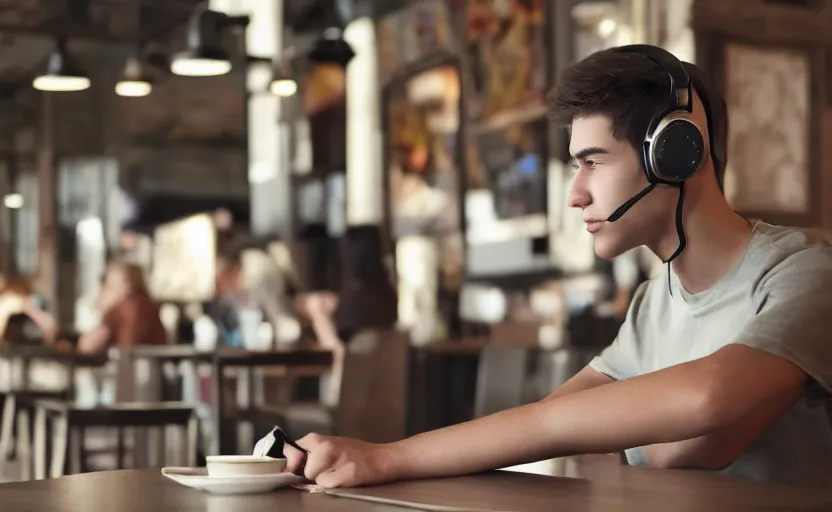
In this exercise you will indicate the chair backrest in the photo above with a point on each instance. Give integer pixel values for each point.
(500, 379)
(373, 398)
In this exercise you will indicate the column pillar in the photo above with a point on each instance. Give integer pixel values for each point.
(269, 170)
(365, 184)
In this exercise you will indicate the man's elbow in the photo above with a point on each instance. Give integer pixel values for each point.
(708, 456)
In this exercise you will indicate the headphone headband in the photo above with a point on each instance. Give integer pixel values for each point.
(679, 78)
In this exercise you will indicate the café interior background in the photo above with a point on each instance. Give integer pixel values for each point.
(426, 119)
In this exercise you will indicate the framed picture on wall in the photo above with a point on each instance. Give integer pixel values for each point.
(768, 93)
(775, 100)
(423, 162)
(506, 46)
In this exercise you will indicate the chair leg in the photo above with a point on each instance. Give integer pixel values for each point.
(76, 450)
(59, 446)
(40, 444)
(120, 449)
(193, 440)
(7, 429)
(24, 445)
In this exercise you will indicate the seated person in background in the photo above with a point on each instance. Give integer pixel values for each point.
(228, 299)
(129, 315)
(22, 318)
(261, 286)
(723, 363)
(366, 298)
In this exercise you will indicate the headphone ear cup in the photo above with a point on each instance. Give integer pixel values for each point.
(676, 152)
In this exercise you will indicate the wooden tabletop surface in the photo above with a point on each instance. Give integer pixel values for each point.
(48, 352)
(620, 490)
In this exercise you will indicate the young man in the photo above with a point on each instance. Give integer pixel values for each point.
(722, 364)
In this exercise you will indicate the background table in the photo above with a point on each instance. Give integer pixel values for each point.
(606, 490)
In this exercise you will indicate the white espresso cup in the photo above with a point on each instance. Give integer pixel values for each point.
(243, 465)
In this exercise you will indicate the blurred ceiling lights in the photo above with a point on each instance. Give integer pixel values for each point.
(205, 55)
(331, 48)
(606, 27)
(136, 81)
(62, 74)
(13, 201)
(283, 87)
(283, 83)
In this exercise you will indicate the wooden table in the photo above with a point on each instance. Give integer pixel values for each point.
(620, 490)
(26, 353)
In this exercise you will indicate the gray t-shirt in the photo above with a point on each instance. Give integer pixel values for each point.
(777, 298)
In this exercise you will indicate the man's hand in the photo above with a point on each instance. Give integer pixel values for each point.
(341, 462)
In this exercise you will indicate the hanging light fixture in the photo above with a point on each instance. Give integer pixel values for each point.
(136, 81)
(13, 201)
(332, 48)
(205, 55)
(283, 87)
(61, 72)
(283, 82)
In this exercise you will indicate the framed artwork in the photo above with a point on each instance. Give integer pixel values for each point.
(506, 46)
(423, 163)
(767, 91)
(411, 36)
(184, 264)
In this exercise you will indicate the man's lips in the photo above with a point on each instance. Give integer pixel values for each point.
(593, 226)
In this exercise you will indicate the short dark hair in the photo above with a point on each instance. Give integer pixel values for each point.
(631, 90)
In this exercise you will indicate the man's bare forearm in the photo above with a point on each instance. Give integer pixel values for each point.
(587, 378)
(719, 449)
(597, 420)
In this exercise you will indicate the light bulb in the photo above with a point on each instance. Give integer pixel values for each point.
(193, 66)
(133, 88)
(284, 87)
(61, 83)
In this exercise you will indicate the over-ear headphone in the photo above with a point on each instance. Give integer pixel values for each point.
(674, 148)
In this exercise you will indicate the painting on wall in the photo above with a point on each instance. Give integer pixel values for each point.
(506, 44)
(184, 264)
(423, 163)
(767, 91)
(411, 35)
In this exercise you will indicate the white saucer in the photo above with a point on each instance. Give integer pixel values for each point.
(197, 478)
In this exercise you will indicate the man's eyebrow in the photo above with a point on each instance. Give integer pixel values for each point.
(593, 150)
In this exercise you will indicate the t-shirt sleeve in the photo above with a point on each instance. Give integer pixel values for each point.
(794, 314)
(619, 360)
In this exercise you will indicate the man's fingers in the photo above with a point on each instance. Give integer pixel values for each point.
(342, 476)
(294, 459)
(320, 459)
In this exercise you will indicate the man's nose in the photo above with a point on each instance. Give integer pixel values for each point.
(579, 196)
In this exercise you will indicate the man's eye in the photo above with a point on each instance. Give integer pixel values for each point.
(591, 164)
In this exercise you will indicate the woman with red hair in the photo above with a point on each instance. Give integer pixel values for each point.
(129, 315)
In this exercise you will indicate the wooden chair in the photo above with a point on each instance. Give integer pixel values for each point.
(18, 408)
(501, 377)
(373, 397)
(69, 421)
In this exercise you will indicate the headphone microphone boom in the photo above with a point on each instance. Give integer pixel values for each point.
(621, 210)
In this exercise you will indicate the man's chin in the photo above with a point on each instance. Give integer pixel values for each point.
(609, 251)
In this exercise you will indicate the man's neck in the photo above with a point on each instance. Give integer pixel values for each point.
(716, 240)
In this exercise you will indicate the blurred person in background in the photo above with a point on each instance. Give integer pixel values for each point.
(228, 299)
(249, 279)
(129, 315)
(22, 314)
(366, 298)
